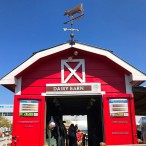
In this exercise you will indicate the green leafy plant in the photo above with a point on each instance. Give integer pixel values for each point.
(5, 122)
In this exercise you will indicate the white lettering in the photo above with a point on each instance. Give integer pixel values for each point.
(60, 88)
(64, 88)
(78, 88)
(54, 88)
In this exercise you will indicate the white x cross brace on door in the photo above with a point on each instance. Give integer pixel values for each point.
(81, 63)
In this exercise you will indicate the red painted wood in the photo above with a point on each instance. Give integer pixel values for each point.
(122, 125)
(42, 74)
(43, 81)
(33, 90)
(97, 70)
(28, 130)
(133, 120)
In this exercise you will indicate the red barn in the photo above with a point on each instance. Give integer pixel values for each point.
(74, 80)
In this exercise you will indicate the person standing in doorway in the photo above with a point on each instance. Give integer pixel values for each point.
(79, 138)
(72, 135)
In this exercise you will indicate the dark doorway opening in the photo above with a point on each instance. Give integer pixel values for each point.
(90, 105)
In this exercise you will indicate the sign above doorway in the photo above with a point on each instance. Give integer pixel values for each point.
(76, 89)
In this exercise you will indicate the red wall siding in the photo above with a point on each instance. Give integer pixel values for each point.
(97, 69)
(119, 130)
(25, 127)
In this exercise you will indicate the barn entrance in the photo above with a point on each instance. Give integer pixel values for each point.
(90, 105)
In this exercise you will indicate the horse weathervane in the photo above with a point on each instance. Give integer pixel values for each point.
(70, 13)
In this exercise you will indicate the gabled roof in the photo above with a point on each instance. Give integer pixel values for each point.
(137, 77)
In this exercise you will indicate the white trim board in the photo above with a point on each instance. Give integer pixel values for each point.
(64, 63)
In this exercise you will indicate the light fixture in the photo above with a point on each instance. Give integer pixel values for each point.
(93, 100)
(57, 104)
(75, 53)
(91, 103)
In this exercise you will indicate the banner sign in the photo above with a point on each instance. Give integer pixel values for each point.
(28, 108)
(82, 88)
(118, 107)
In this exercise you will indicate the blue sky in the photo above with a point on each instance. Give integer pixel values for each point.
(27, 26)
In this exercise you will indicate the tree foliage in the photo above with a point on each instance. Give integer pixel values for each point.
(4, 122)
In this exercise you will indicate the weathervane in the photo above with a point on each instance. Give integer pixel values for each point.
(70, 13)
